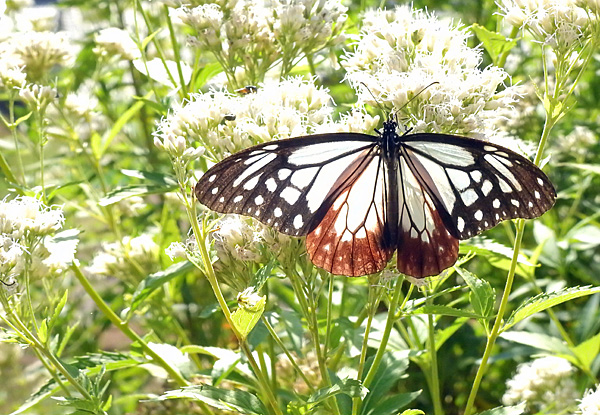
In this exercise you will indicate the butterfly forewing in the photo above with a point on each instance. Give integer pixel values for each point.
(284, 183)
(352, 238)
(475, 184)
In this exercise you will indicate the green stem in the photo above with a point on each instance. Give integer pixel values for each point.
(520, 226)
(124, 327)
(434, 379)
(391, 318)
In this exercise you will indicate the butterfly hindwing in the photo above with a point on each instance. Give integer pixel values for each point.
(283, 184)
(425, 246)
(352, 238)
(475, 184)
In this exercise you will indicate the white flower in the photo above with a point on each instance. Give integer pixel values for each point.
(176, 250)
(560, 24)
(545, 381)
(407, 55)
(114, 41)
(590, 403)
(37, 97)
(38, 52)
(11, 76)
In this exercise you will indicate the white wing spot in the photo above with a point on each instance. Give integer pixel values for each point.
(290, 195)
(504, 186)
(485, 223)
(540, 181)
(476, 175)
(277, 212)
(497, 217)
(496, 203)
(460, 224)
(515, 202)
(251, 184)
(214, 176)
(271, 184)
(469, 197)
(238, 198)
(304, 177)
(537, 194)
(259, 200)
(489, 148)
(284, 174)
(486, 187)
(530, 204)
(221, 199)
(271, 147)
(459, 178)
(298, 222)
(214, 190)
(478, 215)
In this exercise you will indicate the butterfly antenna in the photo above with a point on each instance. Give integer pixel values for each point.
(416, 95)
(373, 95)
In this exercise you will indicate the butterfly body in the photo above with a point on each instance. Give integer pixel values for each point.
(358, 198)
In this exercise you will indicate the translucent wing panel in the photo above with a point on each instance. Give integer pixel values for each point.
(425, 246)
(476, 184)
(351, 239)
(285, 184)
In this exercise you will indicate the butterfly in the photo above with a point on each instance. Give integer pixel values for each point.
(358, 198)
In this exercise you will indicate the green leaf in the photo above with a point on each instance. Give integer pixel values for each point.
(482, 296)
(226, 400)
(351, 387)
(392, 405)
(251, 307)
(46, 390)
(587, 351)
(58, 309)
(538, 340)
(43, 331)
(155, 281)
(591, 168)
(209, 71)
(442, 335)
(506, 410)
(546, 300)
(125, 192)
(494, 43)
(21, 119)
(391, 368)
(445, 310)
(149, 38)
(119, 124)
(413, 412)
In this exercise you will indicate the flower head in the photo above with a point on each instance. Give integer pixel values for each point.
(410, 61)
(545, 381)
(114, 41)
(590, 403)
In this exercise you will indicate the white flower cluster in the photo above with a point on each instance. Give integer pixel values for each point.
(129, 260)
(252, 36)
(279, 110)
(401, 52)
(38, 52)
(561, 24)
(11, 75)
(544, 382)
(115, 42)
(590, 403)
(37, 97)
(26, 229)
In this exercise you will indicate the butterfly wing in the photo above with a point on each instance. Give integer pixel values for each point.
(425, 247)
(353, 237)
(474, 184)
(287, 184)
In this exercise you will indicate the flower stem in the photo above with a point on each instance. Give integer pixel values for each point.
(435, 381)
(124, 327)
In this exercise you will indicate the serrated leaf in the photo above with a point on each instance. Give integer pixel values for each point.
(155, 281)
(58, 309)
(506, 410)
(546, 300)
(587, 351)
(494, 43)
(537, 340)
(351, 387)
(227, 400)
(444, 310)
(482, 296)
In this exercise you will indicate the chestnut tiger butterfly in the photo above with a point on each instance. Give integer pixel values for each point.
(358, 198)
